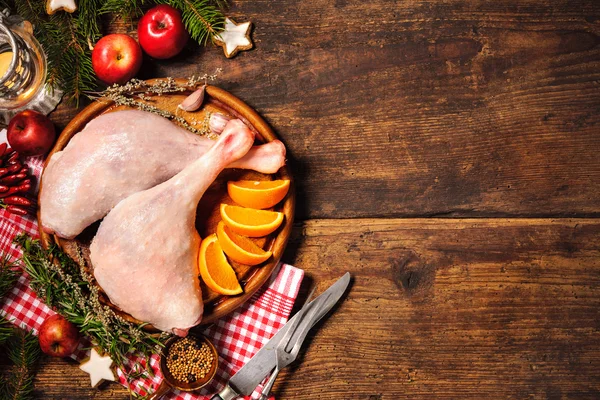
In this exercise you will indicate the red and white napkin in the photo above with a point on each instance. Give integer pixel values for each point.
(237, 337)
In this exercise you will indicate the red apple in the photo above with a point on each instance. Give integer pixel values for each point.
(58, 337)
(161, 32)
(31, 133)
(116, 58)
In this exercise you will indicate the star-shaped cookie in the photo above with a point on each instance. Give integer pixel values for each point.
(98, 367)
(53, 6)
(234, 38)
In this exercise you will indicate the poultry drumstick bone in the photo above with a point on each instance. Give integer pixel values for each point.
(145, 254)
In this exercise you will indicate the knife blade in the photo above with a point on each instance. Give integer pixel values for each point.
(250, 375)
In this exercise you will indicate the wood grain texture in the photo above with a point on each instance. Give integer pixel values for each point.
(453, 309)
(425, 108)
(440, 308)
(441, 108)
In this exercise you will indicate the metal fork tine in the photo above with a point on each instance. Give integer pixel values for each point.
(315, 307)
(290, 332)
(285, 356)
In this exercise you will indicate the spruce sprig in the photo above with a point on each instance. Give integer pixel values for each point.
(6, 330)
(9, 274)
(87, 21)
(66, 286)
(23, 351)
(67, 38)
(202, 18)
(22, 347)
(126, 9)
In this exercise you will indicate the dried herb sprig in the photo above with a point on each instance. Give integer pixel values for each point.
(139, 94)
(159, 87)
(66, 286)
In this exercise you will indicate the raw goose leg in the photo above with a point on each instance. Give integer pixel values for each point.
(145, 254)
(118, 154)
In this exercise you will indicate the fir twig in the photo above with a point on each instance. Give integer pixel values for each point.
(9, 274)
(6, 330)
(125, 9)
(23, 351)
(65, 39)
(202, 18)
(66, 286)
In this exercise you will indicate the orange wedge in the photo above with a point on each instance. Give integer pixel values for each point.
(250, 222)
(258, 194)
(240, 248)
(214, 268)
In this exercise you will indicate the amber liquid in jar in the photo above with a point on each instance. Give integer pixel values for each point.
(5, 59)
(26, 80)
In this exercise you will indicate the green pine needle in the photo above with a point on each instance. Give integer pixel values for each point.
(66, 287)
(126, 9)
(9, 274)
(23, 351)
(6, 330)
(202, 18)
(67, 38)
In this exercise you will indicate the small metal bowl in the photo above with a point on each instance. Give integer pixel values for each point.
(169, 382)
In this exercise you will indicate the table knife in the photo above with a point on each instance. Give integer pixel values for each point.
(250, 375)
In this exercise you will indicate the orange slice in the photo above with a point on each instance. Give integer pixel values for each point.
(250, 222)
(214, 268)
(258, 194)
(240, 248)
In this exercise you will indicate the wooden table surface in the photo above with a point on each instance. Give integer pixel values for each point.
(446, 153)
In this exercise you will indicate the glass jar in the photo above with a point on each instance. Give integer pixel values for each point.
(23, 68)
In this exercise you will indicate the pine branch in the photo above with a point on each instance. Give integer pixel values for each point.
(66, 38)
(202, 18)
(6, 330)
(9, 274)
(125, 9)
(87, 21)
(67, 287)
(24, 351)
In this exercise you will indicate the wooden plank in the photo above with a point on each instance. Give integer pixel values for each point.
(439, 308)
(453, 309)
(423, 108)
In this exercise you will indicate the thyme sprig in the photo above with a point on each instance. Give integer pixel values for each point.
(139, 94)
(65, 285)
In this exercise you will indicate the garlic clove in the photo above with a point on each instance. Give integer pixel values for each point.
(217, 122)
(194, 101)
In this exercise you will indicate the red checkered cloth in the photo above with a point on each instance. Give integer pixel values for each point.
(237, 337)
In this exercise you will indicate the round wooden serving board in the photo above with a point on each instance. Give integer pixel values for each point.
(216, 100)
